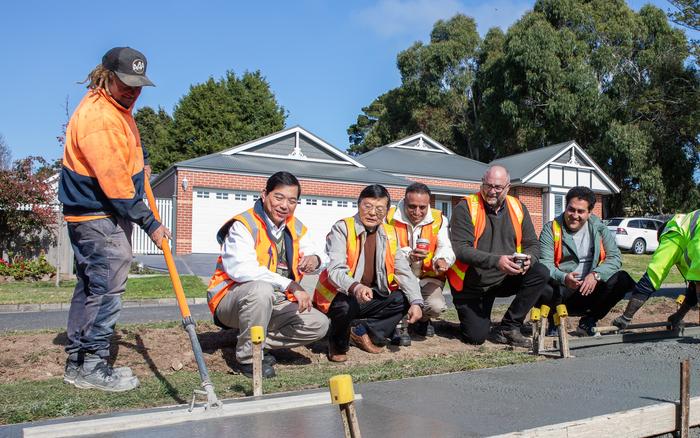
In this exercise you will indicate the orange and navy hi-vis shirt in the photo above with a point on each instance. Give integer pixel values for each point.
(103, 161)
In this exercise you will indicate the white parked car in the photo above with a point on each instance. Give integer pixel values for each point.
(636, 234)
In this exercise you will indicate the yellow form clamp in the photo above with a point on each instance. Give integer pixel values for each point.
(535, 314)
(341, 389)
(561, 311)
(544, 310)
(257, 334)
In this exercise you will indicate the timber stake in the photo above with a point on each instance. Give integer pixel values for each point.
(343, 395)
(257, 336)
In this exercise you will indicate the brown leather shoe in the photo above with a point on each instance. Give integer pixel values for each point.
(364, 343)
(336, 356)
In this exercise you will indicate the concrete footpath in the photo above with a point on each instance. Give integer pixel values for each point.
(597, 381)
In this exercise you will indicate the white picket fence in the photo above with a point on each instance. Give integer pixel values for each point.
(140, 242)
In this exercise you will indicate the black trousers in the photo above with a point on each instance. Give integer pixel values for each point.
(474, 312)
(380, 315)
(598, 303)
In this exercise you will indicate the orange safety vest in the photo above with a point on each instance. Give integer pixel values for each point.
(266, 251)
(556, 235)
(428, 231)
(477, 211)
(326, 290)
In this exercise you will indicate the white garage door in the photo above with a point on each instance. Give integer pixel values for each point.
(212, 207)
(319, 214)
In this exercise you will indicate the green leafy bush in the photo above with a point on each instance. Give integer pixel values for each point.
(23, 269)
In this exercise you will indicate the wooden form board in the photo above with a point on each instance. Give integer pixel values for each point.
(641, 422)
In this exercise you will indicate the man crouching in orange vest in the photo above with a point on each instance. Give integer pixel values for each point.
(368, 285)
(497, 250)
(265, 252)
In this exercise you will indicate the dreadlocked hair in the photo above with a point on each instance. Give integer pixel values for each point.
(99, 77)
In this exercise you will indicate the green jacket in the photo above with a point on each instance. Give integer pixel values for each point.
(570, 259)
(679, 245)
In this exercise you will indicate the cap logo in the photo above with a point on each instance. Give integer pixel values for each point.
(138, 66)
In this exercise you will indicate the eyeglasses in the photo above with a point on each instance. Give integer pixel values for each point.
(373, 208)
(497, 189)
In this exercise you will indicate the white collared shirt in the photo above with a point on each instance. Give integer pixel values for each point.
(240, 259)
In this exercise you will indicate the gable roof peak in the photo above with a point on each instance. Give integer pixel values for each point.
(295, 152)
(420, 141)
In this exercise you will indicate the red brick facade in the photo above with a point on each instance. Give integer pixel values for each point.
(226, 181)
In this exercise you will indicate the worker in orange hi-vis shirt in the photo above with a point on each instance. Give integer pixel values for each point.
(102, 188)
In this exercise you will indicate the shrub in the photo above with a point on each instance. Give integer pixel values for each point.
(23, 269)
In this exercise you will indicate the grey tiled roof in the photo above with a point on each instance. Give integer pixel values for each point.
(520, 165)
(423, 163)
(301, 169)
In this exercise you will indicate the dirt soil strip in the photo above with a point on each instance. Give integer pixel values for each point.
(159, 351)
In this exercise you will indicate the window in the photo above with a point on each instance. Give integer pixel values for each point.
(255, 197)
(343, 204)
(310, 201)
(240, 197)
(634, 224)
(202, 194)
(650, 225)
(326, 202)
(558, 204)
(354, 204)
(613, 222)
(221, 195)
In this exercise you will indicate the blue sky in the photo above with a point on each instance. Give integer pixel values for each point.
(324, 60)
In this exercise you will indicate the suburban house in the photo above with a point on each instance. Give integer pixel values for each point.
(204, 192)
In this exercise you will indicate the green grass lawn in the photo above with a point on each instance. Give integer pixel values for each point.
(140, 288)
(636, 265)
(34, 400)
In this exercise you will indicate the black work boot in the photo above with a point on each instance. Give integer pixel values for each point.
(677, 318)
(625, 319)
(510, 336)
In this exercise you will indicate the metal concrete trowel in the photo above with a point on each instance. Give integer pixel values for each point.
(187, 321)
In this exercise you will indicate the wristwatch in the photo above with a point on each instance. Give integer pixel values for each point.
(596, 276)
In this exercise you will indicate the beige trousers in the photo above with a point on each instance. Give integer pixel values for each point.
(256, 303)
(433, 300)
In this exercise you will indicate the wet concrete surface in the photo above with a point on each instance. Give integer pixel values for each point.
(597, 381)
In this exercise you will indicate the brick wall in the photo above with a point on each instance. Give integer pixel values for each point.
(598, 208)
(531, 197)
(249, 183)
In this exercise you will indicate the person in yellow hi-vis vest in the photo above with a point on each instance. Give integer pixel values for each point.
(583, 261)
(497, 256)
(368, 285)
(424, 237)
(265, 252)
(679, 245)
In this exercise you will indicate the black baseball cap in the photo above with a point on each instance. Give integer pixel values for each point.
(129, 65)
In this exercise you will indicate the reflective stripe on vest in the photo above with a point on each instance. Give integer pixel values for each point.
(326, 290)
(556, 236)
(265, 249)
(477, 211)
(427, 232)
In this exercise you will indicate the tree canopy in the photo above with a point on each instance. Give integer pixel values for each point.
(212, 116)
(595, 71)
